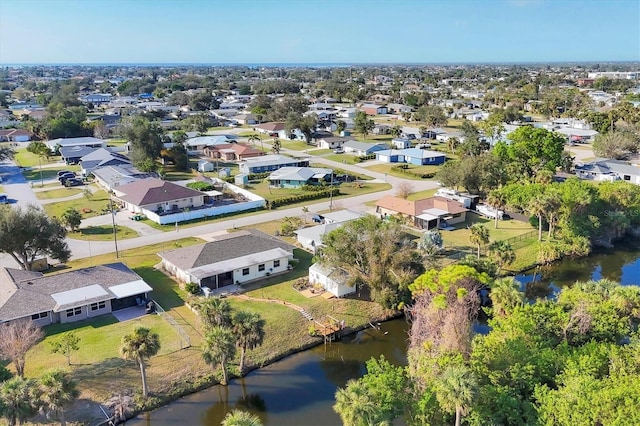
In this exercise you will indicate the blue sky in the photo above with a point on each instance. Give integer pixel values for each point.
(312, 31)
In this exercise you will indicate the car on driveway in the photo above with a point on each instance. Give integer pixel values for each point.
(73, 182)
(65, 172)
(63, 178)
(338, 151)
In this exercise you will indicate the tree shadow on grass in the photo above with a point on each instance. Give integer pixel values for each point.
(101, 321)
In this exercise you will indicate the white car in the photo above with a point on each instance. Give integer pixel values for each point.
(338, 151)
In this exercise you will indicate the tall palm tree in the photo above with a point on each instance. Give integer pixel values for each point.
(497, 200)
(276, 146)
(219, 347)
(255, 138)
(215, 311)
(538, 208)
(479, 236)
(58, 391)
(241, 418)
(18, 400)
(505, 295)
(502, 253)
(139, 346)
(455, 390)
(249, 330)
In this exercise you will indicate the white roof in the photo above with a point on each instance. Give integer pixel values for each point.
(70, 297)
(238, 263)
(342, 216)
(436, 212)
(427, 216)
(130, 289)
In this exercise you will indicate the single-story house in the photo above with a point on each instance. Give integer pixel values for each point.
(157, 196)
(296, 177)
(232, 151)
(90, 142)
(333, 280)
(443, 137)
(422, 157)
(609, 170)
(69, 296)
(399, 108)
(269, 163)
(311, 238)
(111, 177)
(235, 258)
(390, 156)
(96, 98)
(428, 213)
(363, 148)
(246, 119)
(101, 157)
(198, 144)
(373, 109)
(381, 129)
(331, 142)
(15, 135)
(272, 129)
(73, 154)
(401, 143)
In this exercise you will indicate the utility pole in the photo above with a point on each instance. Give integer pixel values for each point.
(331, 193)
(113, 221)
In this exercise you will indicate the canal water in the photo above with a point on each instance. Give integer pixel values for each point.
(300, 389)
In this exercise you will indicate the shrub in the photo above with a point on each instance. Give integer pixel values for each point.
(302, 197)
(192, 288)
(201, 186)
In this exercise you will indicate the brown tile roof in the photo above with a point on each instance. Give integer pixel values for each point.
(152, 191)
(415, 208)
(271, 127)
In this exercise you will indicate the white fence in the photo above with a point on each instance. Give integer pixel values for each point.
(254, 202)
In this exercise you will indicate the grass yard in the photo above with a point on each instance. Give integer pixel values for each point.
(61, 192)
(421, 195)
(295, 145)
(321, 152)
(116, 142)
(388, 169)
(343, 158)
(459, 239)
(346, 189)
(47, 172)
(98, 202)
(172, 174)
(103, 233)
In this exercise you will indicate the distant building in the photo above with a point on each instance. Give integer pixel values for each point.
(269, 163)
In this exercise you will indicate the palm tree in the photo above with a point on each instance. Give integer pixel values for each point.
(58, 390)
(396, 131)
(249, 330)
(305, 210)
(453, 144)
(355, 406)
(215, 311)
(241, 418)
(18, 400)
(479, 236)
(255, 138)
(552, 204)
(455, 390)
(139, 346)
(502, 253)
(219, 347)
(505, 295)
(497, 200)
(538, 208)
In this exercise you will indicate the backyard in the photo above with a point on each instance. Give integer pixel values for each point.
(389, 169)
(95, 205)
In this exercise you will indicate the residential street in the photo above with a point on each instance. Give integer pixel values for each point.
(18, 189)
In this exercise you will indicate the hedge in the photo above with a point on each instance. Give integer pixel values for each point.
(404, 168)
(302, 197)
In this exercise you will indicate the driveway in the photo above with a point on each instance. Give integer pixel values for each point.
(15, 185)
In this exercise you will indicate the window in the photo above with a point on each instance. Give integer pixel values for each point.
(73, 312)
(39, 316)
(261, 267)
(276, 263)
(245, 271)
(99, 305)
(626, 177)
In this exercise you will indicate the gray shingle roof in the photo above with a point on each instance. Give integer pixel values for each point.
(227, 247)
(24, 293)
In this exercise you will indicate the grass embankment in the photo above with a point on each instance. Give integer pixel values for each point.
(174, 372)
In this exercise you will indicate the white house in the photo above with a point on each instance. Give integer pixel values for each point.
(90, 142)
(234, 258)
(609, 170)
(333, 280)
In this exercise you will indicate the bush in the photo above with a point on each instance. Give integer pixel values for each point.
(192, 288)
(302, 197)
(201, 186)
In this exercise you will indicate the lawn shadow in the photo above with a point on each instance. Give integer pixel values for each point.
(101, 321)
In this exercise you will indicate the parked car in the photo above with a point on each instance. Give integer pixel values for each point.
(65, 172)
(66, 176)
(4, 199)
(338, 151)
(73, 182)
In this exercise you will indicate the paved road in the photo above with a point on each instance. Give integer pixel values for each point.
(17, 187)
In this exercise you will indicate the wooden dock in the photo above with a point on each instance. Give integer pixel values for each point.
(330, 329)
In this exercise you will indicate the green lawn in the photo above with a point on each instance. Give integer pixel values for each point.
(103, 233)
(47, 172)
(294, 145)
(459, 239)
(342, 158)
(96, 205)
(172, 174)
(116, 142)
(58, 193)
(346, 189)
(420, 195)
(388, 169)
(322, 152)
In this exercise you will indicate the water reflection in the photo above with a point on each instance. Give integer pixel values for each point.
(298, 390)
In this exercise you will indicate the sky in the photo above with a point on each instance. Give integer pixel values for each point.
(313, 31)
